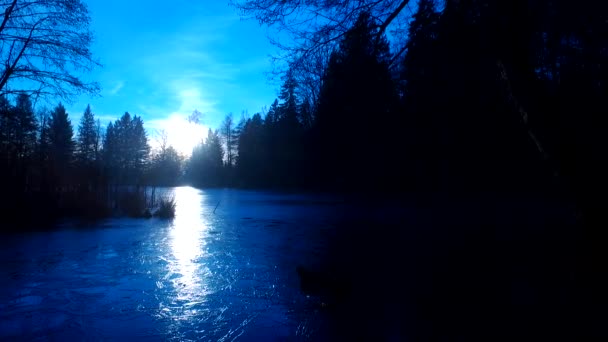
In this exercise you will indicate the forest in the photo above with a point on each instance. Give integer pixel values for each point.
(482, 97)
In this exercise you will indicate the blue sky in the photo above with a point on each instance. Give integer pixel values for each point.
(163, 60)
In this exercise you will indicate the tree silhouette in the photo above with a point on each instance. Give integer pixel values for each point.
(230, 136)
(419, 83)
(206, 165)
(87, 138)
(25, 127)
(165, 167)
(110, 152)
(6, 126)
(61, 145)
(316, 28)
(357, 84)
(126, 150)
(252, 163)
(18, 134)
(46, 42)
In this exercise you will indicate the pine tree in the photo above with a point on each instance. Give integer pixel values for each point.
(273, 114)
(215, 157)
(285, 137)
(140, 147)
(110, 150)
(7, 134)
(306, 114)
(98, 141)
(87, 138)
(44, 152)
(25, 127)
(6, 127)
(288, 109)
(357, 96)
(61, 144)
(126, 149)
(61, 135)
(252, 156)
(206, 165)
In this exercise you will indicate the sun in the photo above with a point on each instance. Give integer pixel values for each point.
(183, 135)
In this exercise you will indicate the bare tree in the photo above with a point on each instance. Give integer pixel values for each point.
(44, 46)
(162, 139)
(228, 132)
(314, 28)
(196, 117)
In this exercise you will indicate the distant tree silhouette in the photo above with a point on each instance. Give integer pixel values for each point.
(88, 162)
(165, 164)
(87, 141)
(206, 165)
(230, 136)
(140, 148)
(285, 137)
(110, 152)
(61, 146)
(25, 127)
(270, 150)
(43, 153)
(18, 135)
(97, 146)
(252, 162)
(126, 150)
(288, 109)
(6, 117)
(272, 117)
(165, 167)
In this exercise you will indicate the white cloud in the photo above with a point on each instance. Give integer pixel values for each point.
(117, 87)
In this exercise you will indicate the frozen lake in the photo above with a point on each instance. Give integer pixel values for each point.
(424, 270)
(202, 276)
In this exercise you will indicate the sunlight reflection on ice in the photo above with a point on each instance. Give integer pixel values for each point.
(186, 271)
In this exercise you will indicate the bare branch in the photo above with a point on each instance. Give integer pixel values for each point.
(49, 47)
(315, 28)
(9, 70)
(392, 16)
(7, 14)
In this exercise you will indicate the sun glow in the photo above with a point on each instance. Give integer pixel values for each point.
(183, 135)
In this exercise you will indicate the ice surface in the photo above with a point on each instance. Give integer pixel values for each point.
(202, 276)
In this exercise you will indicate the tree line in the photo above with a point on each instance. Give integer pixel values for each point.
(264, 150)
(466, 96)
(443, 112)
(54, 170)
